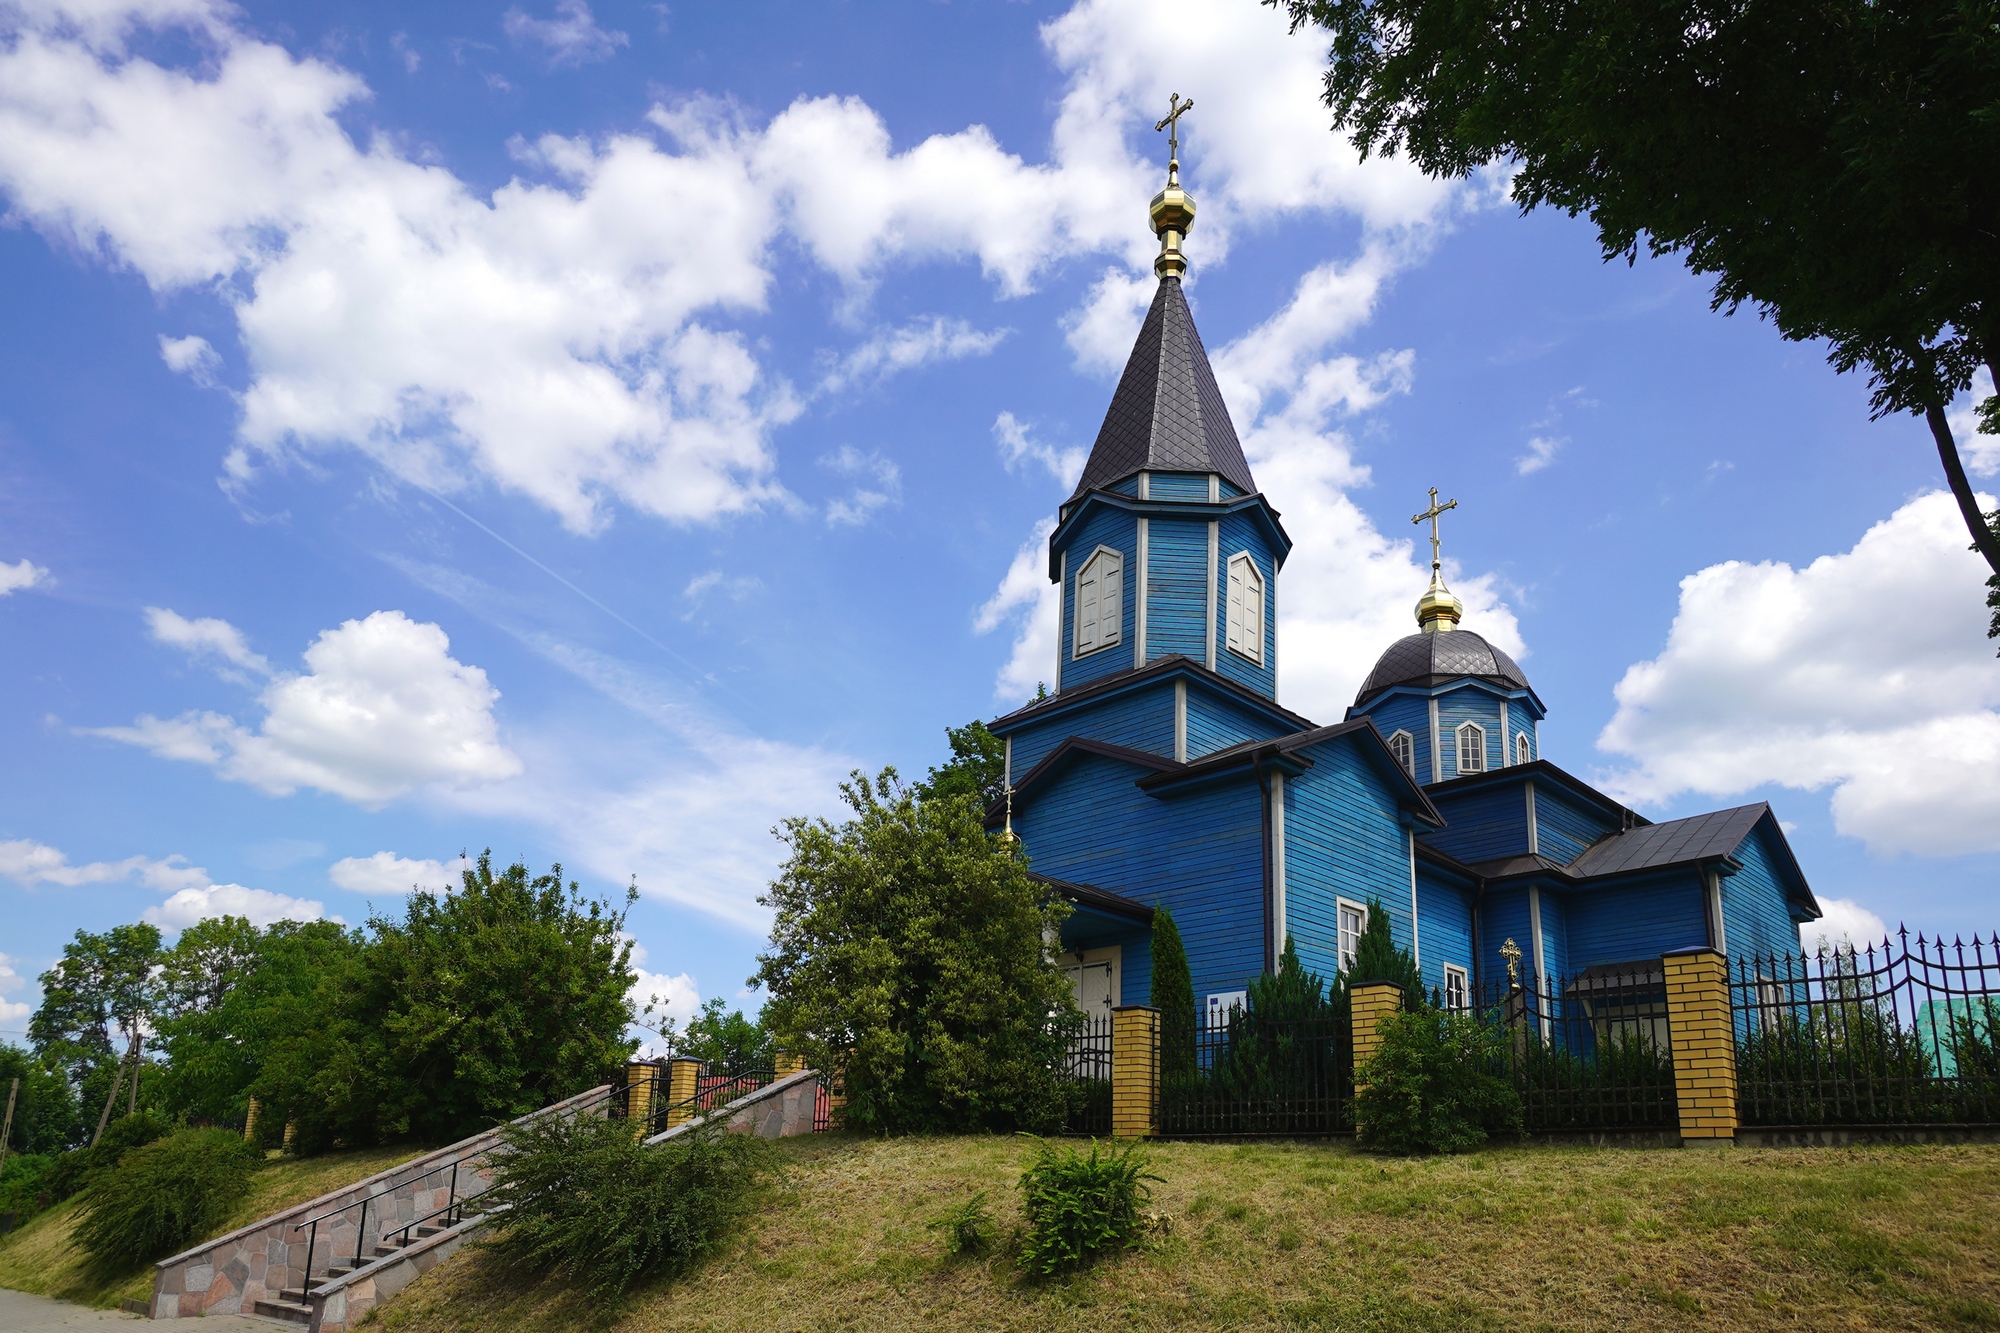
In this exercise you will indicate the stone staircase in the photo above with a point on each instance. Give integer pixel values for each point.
(292, 1302)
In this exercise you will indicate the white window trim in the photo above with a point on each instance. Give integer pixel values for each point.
(1464, 987)
(1522, 753)
(1255, 653)
(1106, 639)
(1411, 766)
(1360, 909)
(1458, 744)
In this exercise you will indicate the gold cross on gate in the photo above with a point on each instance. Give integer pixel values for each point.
(1172, 124)
(1432, 514)
(1512, 953)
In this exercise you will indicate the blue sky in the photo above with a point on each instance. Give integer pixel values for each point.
(589, 431)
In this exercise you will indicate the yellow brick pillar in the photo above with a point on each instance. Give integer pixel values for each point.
(1373, 1001)
(641, 1079)
(683, 1081)
(787, 1063)
(1704, 1046)
(1135, 1072)
(250, 1122)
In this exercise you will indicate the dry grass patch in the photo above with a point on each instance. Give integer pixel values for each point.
(1321, 1237)
(43, 1258)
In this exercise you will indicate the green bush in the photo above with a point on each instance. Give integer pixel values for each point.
(587, 1202)
(24, 1183)
(75, 1172)
(968, 1228)
(1080, 1206)
(164, 1195)
(1430, 1086)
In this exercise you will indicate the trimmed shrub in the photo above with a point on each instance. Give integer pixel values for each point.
(1080, 1206)
(75, 1172)
(968, 1228)
(1430, 1086)
(588, 1203)
(1173, 996)
(164, 1195)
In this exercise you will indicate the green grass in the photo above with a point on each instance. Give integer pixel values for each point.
(43, 1258)
(1300, 1236)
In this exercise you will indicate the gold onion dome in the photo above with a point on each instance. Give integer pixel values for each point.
(1437, 609)
(1172, 209)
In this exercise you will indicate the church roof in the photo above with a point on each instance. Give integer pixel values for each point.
(1676, 842)
(1089, 895)
(1167, 415)
(1429, 658)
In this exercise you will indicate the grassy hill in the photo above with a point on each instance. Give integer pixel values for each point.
(41, 1258)
(1320, 1237)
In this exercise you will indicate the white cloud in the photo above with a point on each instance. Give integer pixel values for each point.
(1867, 671)
(21, 574)
(1541, 453)
(383, 709)
(572, 37)
(673, 999)
(1981, 452)
(1028, 601)
(917, 343)
(261, 906)
(1842, 922)
(1018, 445)
(191, 356)
(880, 485)
(205, 636)
(193, 895)
(1103, 326)
(387, 873)
(13, 1013)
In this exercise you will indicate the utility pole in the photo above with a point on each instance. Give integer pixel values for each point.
(7, 1129)
(104, 1117)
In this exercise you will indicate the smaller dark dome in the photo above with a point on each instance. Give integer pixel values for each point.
(1425, 659)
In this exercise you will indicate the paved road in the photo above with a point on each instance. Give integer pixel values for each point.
(22, 1313)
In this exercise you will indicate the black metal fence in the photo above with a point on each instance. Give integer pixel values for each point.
(1588, 1051)
(1245, 1074)
(1085, 1074)
(1904, 1032)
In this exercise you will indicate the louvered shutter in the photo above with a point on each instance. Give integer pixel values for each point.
(1086, 606)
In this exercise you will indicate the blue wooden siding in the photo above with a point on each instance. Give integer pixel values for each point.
(1120, 531)
(1482, 825)
(1342, 840)
(1755, 915)
(1565, 826)
(1128, 486)
(1555, 936)
(1239, 533)
(1517, 714)
(1202, 856)
(1216, 721)
(1177, 592)
(1230, 490)
(1638, 920)
(1444, 924)
(1467, 703)
(1405, 712)
(1177, 486)
(1085, 929)
(1503, 916)
(1142, 719)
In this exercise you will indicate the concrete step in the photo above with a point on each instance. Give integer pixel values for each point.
(297, 1312)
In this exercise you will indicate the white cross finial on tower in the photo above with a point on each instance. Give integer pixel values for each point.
(1432, 514)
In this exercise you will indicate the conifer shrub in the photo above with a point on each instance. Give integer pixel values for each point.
(1080, 1206)
(1432, 1085)
(162, 1196)
(588, 1203)
(1173, 996)
(969, 1228)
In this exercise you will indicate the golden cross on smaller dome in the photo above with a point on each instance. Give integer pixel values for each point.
(1172, 208)
(1437, 609)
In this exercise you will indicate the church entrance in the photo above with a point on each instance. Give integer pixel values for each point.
(1094, 980)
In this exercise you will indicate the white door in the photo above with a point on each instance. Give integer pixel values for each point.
(1092, 984)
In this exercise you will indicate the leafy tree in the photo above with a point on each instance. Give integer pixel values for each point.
(724, 1038)
(1431, 1085)
(46, 1115)
(978, 766)
(208, 959)
(1173, 996)
(103, 983)
(490, 1002)
(1835, 164)
(908, 950)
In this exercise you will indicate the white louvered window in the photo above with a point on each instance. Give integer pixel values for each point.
(1100, 592)
(1405, 750)
(1471, 748)
(1246, 608)
(1521, 754)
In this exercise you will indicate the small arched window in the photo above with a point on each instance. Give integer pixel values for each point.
(1100, 601)
(1521, 748)
(1246, 608)
(1471, 748)
(1404, 748)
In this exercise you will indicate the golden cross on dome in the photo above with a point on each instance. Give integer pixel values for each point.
(1432, 514)
(1172, 125)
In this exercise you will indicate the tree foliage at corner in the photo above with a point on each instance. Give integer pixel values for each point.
(1173, 996)
(1377, 957)
(1833, 163)
(908, 950)
(1432, 1085)
(977, 767)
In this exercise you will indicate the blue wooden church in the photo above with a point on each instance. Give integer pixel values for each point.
(1163, 770)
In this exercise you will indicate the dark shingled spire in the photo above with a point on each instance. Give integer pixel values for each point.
(1167, 415)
